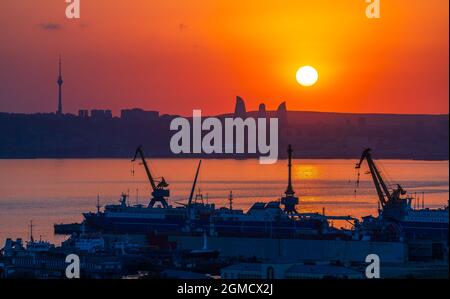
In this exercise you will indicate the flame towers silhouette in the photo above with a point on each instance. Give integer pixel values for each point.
(60, 83)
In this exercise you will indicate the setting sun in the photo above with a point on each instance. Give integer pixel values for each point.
(307, 76)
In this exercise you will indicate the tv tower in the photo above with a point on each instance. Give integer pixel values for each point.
(60, 83)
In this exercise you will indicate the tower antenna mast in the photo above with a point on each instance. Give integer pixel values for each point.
(60, 83)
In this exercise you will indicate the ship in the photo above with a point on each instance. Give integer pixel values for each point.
(158, 217)
(273, 219)
(396, 215)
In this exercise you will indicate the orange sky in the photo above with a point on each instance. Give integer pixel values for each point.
(178, 55)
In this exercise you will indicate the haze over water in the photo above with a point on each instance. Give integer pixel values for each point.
(50, 191)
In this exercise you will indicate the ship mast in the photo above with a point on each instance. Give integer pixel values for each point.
(98, 203)
(289, 200)
(289, 190)
(194, 183)
(31, 231)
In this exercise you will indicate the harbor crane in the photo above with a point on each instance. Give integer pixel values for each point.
(159, 191)
(389, 201)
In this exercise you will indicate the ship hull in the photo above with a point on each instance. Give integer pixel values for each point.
(132, 225)
(435, 231)
(136, 225)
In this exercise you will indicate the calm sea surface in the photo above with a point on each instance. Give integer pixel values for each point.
(54, 191)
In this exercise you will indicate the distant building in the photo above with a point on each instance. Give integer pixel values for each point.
(101, 114)
(137, 114)
(239, 110)
(83, 113)
(362, 121)
(282, 113)
(262, 111)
